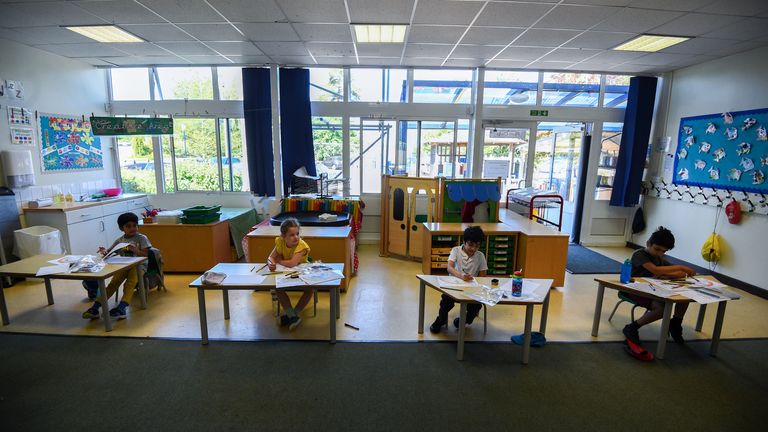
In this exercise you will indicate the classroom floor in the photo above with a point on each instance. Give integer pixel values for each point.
(382, 301)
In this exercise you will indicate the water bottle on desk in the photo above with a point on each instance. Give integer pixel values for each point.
(626, 271)
(517, 283)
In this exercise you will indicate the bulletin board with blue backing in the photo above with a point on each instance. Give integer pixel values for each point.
(723, 151)
(67, 144)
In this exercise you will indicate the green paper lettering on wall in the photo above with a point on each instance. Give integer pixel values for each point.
(113, 126)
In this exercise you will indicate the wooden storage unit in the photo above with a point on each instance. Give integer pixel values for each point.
(401, 227)
(327, 244)
(190, 248)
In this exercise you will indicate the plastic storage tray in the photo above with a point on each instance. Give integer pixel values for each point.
(197, 211)
(198, 220)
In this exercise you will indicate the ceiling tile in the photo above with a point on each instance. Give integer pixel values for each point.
(445, 12)
(636, 20)
(694, 24)
(43, 35)
(545, 38)
(158, 32)
(600, 2)
(379, 50)
(491, 35)
(131, 61)
(592, 67)
(294, 60)
(120, 12)
(235, 48)
(599, 40)
(377, 11)
(324, 11)
(45, 14)
(476, 51)
(736, 7)
(422, 61)
(268, 31)
(249, 59)
(511, 14)
(336, 61)
(427, 50)
(745, 29)
(183, 11)
(514, 64)
(435, 34)
(187, 48)
(575, 17)
(94, 49)
(143, 49)
(208, 59)
(324, 32)
(248, 10)
(452, 62)
(380, 61)
(708, 46)
(633, 68)
(96, 61)
(522, 53)
(676, 5)
(660, 59)
(331, 49)
(283, 48)
(616, 56)
(213, 32)
(552, 65)
(570, 54)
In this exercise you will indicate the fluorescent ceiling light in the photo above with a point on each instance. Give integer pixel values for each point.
(105, 33)
(379, 33)
(650, 43)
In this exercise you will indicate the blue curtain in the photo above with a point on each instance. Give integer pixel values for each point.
(257, 106)
(295, 124)
(634, 142)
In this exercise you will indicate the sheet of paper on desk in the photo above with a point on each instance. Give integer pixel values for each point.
(314, 278)
(702, 298)
(117, 248)
(653, 289)
(122, 260)
(485, 294)
(454, 282)
(245, 279)
(66, 259)
(54, 269)
(287, 281)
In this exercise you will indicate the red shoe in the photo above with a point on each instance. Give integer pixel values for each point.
(637, 351)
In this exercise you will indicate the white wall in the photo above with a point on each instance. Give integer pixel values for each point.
(733, 83)
(55, 85)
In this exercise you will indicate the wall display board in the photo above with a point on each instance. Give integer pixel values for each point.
(723, 151)
(67, 144)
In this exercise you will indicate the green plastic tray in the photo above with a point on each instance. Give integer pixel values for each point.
(200, 210)
(199, 220)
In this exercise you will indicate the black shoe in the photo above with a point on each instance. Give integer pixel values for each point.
(456, 321)
(284, 320)
(631, 333)
(438, 325)
(676, 330)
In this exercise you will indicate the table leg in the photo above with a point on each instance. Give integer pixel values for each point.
(462, 331)
(700, 318)
(662, 346)
(544, 312)
(718, 328)
(104, 305)
(142, 287)
(527, 336)
(203, 317)
(334, 313)
(48, 291)
(421, 306)
(3, 306)
(225, 298)
(338, 304)
(598, 308)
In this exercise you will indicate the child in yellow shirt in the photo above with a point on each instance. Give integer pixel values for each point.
(289, 251)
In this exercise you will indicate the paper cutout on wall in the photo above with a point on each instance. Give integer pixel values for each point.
(67, 143)
(731, 152)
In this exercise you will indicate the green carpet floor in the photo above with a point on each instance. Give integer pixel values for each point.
(114, 384)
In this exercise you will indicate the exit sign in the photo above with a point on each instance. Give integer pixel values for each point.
(539, 113)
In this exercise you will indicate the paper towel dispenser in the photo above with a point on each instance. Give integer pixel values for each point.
(18, 169)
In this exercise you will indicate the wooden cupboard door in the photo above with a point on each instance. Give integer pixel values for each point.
(416, 229)
(398, 221)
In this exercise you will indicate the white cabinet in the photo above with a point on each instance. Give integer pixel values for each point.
(86, 237)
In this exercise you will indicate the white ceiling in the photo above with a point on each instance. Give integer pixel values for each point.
(542, 34)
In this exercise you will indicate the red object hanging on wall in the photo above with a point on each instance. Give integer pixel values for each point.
(733, 211)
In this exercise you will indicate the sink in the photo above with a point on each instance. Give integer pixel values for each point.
(101, 199)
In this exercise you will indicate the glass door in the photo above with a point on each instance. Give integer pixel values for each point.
(505, 155)
(371, 143)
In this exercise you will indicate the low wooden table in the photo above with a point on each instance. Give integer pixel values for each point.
(28, 268)
(538, 297)
(267, 285)
(661, 348)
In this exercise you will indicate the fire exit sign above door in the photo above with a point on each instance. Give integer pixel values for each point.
(539, 113)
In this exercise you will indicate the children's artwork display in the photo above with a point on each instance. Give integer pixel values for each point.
(67, 144)
(723, 151)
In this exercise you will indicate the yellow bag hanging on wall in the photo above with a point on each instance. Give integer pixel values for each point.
(710, 250)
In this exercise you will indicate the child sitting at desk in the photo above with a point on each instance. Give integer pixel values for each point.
(138, 245)
(650, 262)
(289, 251)
(464, 262)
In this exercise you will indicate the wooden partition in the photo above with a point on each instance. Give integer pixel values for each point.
(401, 226)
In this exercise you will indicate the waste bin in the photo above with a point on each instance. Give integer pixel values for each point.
(37, 240)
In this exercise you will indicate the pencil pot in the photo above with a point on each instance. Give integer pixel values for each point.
(626, 272)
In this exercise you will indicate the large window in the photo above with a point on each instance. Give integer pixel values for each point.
(233, 155)
(326, 85)
(442, 86)
(505, 155)
(328, 139)
(510, 88)
(130, 84)
(137, 163)
(378, 85)
(571, 89)
(183, 83)
(230, 83)
(616, 91)
(609, 155)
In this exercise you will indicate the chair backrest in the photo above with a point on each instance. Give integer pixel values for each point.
(154, 274)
